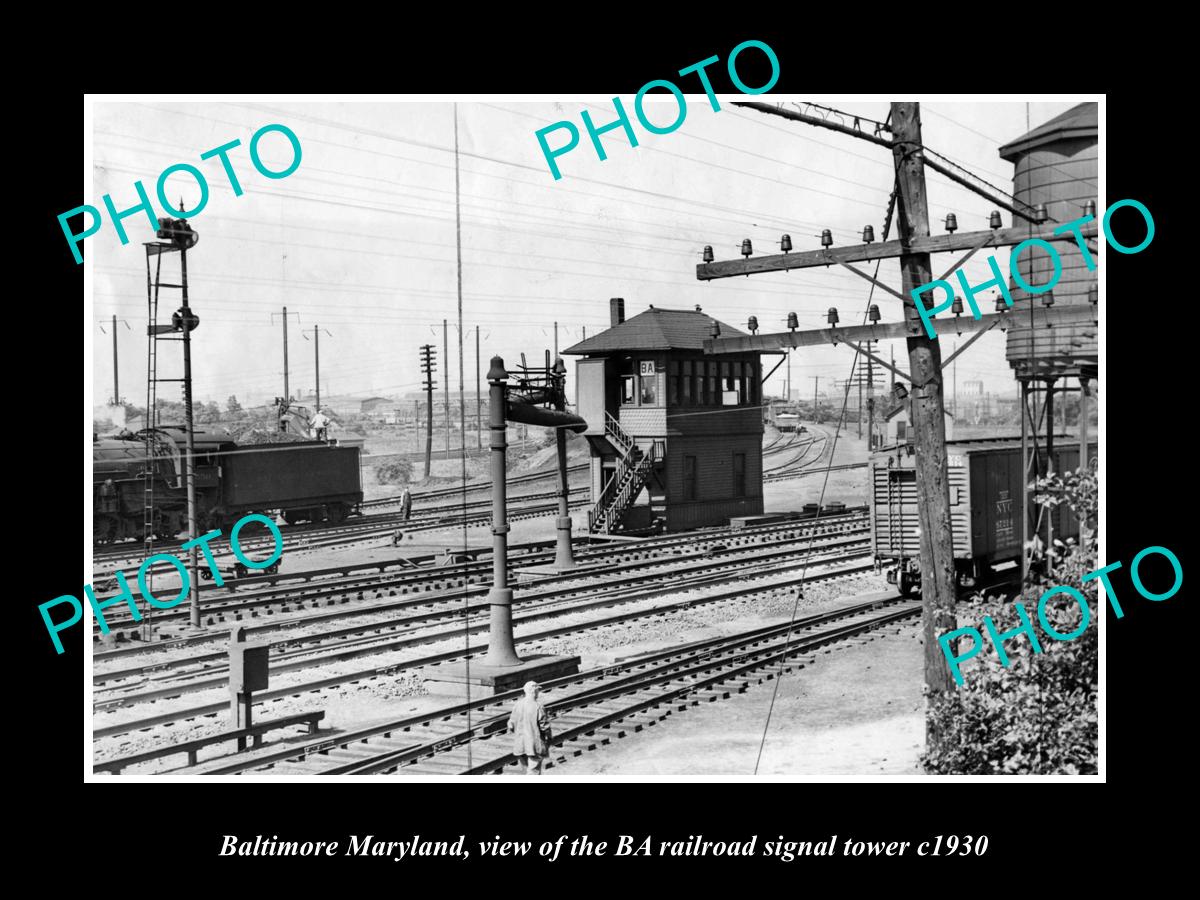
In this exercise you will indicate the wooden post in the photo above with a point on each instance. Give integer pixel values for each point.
(928, 417)
(860, 409)
(1084, 394)
(446, 378)
(478, 397)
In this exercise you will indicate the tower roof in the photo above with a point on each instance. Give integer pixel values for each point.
(655, 329)
(1078, 121)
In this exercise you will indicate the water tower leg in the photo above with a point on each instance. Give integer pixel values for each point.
(564, 557)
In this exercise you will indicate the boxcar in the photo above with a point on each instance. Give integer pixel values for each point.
(313, 481)
(985, 507)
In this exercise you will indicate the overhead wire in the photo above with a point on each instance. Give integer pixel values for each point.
(824, 485)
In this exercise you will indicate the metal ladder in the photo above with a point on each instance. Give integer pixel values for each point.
(154, 333)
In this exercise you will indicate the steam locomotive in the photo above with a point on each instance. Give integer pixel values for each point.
(308, 481)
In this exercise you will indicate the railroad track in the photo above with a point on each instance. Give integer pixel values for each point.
(805, 447)
(305, 538)
(550, 592)
(587, 709)
(779, 445)
(438, 493)
(816, 470)
(745, 585)
(219, 607)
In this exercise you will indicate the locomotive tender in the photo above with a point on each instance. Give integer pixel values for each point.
(307, 481)
(985, 508)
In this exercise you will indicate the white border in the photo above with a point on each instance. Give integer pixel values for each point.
(564, 777)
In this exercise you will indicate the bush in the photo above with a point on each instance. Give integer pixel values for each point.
(396, 471)
(269, 435)
(1039, 715)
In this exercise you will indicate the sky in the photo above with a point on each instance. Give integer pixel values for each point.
(359, 241)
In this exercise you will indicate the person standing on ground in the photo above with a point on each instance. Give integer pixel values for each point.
(530, 727)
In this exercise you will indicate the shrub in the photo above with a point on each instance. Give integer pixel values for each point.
(1039, 715)
(395, 471)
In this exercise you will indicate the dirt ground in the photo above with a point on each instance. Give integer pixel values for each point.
(855, 712)
(848, 485)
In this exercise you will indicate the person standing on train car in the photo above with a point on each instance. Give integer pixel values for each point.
(530, 727)
(319, 425)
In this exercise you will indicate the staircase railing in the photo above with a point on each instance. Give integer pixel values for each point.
(630, 477)
(617, 435)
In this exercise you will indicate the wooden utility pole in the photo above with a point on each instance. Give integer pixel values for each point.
(816, 381)
(860, 409)
(478, 397)
(316, 330)
(428, 365)
(954, 370)
(928, 415)
(870, 398)
(446, 378)
(116, 385)
(287, 391)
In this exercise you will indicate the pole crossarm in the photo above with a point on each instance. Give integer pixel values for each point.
(942, 243)
(1025, 318)
(798, 116)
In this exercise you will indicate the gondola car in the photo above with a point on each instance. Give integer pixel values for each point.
(985, 508)
(307, 481)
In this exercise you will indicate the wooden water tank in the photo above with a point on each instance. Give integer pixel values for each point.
(1055, 164)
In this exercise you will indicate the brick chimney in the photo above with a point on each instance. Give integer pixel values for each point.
(616, 310)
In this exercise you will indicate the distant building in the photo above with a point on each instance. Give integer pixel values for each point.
(898, 426)
(371, 404)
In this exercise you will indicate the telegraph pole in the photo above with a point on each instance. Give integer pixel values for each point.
(428, 366)
(928, 415)
(478, 396)
(860, 409)
(116, 388)
(446, 378)
(316, 330)
(870, 398)
(816, 380)
(556, 340)
(287, 396)
(954, 369)
(116, 401)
